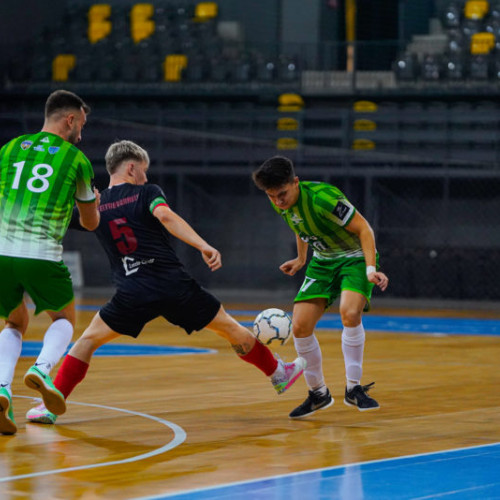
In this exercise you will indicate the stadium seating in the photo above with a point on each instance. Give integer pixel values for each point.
(147, 34)
(432, 68)
(407, 67)
(472, 30)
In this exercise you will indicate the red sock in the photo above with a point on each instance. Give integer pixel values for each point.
(262, 358)
(71, 373)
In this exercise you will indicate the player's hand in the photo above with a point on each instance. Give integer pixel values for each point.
(212, 257)
(290, 267)
(380, 279)
(97, 196)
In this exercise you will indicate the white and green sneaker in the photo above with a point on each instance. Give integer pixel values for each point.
(40, 415)
(53, 399)
(7, 423)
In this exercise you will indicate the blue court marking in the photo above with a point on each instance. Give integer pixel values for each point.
(407, 324)
(33, 349)
(465, 474)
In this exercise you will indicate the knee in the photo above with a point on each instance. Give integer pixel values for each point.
(20, 326)
(350, 317)
(300, 329)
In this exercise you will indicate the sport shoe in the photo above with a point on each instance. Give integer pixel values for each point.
(287, 373)
(357, 397)
(7, 423)
(315, 401)
(53, 399)
(40, 415)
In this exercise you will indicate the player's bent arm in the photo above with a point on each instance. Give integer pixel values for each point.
(290, 267)
(89, 214)
(360, 227)
(178, 227)
(302, 247)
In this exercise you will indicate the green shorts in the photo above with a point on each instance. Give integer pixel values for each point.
(328, 278)
(48, 284)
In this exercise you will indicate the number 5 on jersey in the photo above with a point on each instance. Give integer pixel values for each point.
(123, 236)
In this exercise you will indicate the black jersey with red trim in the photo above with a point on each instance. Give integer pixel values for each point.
(138, 246)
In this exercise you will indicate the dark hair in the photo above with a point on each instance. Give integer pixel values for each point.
(274, 173)
(63, 100)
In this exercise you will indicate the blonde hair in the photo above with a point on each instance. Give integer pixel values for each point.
(122, 151)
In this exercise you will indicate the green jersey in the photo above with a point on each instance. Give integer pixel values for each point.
(41, 176)
(319, 218)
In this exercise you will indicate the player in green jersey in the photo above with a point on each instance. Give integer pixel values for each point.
(344, 263)
(42, 175)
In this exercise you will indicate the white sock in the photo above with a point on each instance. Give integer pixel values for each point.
(353, 343)
(55, 342)
(11, 343)
(309, 349)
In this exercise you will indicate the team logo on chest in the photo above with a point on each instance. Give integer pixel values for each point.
(296, 219)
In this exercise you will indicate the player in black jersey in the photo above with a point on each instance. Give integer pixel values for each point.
(135, 230)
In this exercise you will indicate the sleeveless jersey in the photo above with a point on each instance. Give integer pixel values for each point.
(319, 218)
(41, 175)
(143, 261)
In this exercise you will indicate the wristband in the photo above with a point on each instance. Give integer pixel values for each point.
(370, 269)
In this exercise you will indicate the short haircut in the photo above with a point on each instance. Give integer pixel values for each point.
(274, 173)
(63, 100)
(122, 151)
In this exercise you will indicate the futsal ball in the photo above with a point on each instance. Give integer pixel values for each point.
(272, 325)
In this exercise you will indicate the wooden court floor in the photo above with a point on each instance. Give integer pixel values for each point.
(149, 425)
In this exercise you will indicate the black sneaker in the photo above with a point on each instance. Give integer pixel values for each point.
(357, 397)
(314, 402)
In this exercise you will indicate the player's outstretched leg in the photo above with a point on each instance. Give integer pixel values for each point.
(249, 349)
(7, 423)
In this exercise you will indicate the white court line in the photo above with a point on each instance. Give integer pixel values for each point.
(179, 437)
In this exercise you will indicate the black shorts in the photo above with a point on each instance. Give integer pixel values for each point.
(190, 306)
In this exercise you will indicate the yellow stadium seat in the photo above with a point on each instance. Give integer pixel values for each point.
(98, 30)
(290, 102)
(99, 12)
(363, 144)
(142, 30)
(141, 12)
(364, 125)
(287, 143)
(365, 107)
(482, 43)
(141, 24)
(476, 9)
(205, 11)
(61, 66)
(173, 66)
(287, 124)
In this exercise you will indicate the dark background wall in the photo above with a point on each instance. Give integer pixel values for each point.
(21, 23)
(430, 188)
